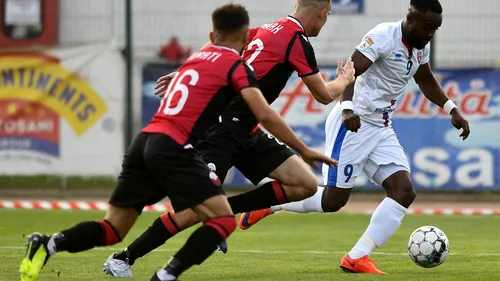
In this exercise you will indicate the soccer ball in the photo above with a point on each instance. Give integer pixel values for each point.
(428, 246)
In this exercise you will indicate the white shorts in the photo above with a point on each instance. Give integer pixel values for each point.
(373, 149)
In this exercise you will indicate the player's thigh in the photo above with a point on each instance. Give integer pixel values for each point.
(135, 187)
(387, 158)
(264, 156)
(180, 173)
(351, 150)
(388, 166)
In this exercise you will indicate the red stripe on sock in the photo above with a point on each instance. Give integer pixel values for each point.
(279, 192)
(224, 225)
(110, 236)
(170, 224)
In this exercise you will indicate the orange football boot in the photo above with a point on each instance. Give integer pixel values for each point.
(250, 218)
(361, 265)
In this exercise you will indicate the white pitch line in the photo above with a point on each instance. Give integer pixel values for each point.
(311, 252)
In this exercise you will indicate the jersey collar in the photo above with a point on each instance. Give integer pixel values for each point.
(227, 48)
(405, 43)
(296, 21)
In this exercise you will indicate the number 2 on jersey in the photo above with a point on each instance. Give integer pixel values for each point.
(260, 46)
(409, 65)
(177, 86)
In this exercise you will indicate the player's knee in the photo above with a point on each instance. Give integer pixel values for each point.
(300, 187)
(224, 225)
(331, 204)
(310, 187)
(404, 194)
(409, 197)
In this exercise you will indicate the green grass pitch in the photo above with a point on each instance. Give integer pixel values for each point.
(282, 247)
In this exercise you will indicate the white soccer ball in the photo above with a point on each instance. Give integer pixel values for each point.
(428, 246)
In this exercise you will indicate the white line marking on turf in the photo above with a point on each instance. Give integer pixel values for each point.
(311, 252)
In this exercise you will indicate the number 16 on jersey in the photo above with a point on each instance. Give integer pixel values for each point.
(176, 86)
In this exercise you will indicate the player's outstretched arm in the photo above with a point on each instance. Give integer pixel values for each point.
(432, 90)
(275, 124)
(326, 93)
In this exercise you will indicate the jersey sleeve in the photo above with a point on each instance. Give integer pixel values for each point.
(426, 54)
(301, 56)
(374, 45)
(242, 76)
(251, 33)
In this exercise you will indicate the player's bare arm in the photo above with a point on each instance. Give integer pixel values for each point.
(432, 90)
(275, 124)
(351, 120)
(326, 93)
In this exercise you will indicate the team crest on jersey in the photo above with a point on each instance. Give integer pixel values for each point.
(398, 56)
(369, 41)
(419, 56)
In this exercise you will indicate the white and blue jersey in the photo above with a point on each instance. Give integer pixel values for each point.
(375, 148)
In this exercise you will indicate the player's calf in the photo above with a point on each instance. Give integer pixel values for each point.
(334, 198)
(388, 216)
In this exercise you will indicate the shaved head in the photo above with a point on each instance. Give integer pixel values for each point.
(312, 4)
(312, 15)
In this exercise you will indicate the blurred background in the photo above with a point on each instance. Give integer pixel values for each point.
(77, 82)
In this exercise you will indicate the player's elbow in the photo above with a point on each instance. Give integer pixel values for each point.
(323, 99)
(328, 100)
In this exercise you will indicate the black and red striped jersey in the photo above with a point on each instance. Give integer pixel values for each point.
(275, 51)
(202, 88)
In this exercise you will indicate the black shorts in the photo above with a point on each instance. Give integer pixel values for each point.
(254, 155)
(155, 166)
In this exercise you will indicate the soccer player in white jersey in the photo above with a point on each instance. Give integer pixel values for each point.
(359, 132)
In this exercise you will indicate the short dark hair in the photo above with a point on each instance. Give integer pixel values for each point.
(427, 6)
(230, 18)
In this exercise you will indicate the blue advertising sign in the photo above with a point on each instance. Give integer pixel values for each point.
(439, 159)
(348, 6)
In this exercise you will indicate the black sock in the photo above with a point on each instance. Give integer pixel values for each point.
(267, 195)
(155, 236)
(200, 245)
(87, 235)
